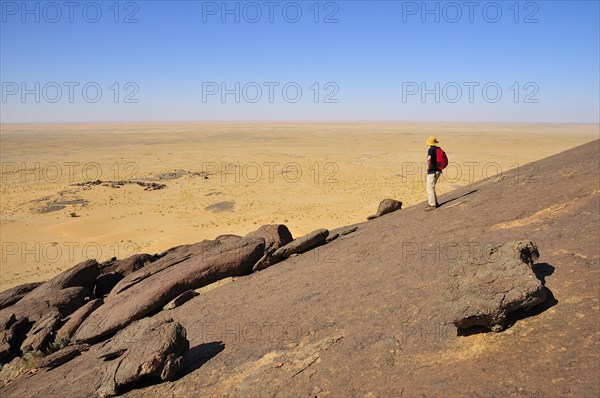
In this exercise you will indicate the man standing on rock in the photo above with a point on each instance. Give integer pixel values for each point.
(433, 173)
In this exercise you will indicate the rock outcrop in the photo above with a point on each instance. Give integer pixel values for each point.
(114, 270)
(106, 283)
(275, 236)
(489, 288)
(41, 333)
(339, 232)
(61, 356)
(12, 333)
(76, 319)
(297, 246)
(83, 274)
(12, 370)
(11, 296)
(174, 256)
(302, 244)
(385, 207)
(127, 265)
(152, 287)
(181, 299)
(147, 347)
(30, 323)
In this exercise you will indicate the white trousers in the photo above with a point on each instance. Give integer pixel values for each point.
(431, 181)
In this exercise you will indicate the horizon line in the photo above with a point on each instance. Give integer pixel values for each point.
(299, 121)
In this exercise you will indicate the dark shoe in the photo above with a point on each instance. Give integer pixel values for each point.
(437, 205)
(429, 208)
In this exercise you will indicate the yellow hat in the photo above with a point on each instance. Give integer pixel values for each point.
(432, 141)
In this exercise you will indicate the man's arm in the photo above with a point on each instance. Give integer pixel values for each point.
(428, 162)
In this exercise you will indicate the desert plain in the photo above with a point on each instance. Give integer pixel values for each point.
(70, 192)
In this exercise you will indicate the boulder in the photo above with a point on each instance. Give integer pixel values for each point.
(174, 256)
(12, 370)
(83, 274)
(63, 301)
(13, 295)
(266, 261)
(275, 236)
(106, 283)
(152, 287)
(111, 272)
(40, 334)
(10, 331)
(487, 289)
(297, 246)
(339, 232)
(61, 356)
(127, 265)
(181, 299)
(147, 347)
(385, 207)
(67, 330)
(34, 308)
(228, 236)
(30, 323)
(302, 244)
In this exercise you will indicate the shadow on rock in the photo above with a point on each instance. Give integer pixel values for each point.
(542, 270)
(516, 316)
(458, 197)
(197, 356)
(523, 313)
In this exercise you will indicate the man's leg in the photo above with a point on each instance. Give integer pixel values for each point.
(435, 180)
(431, 179)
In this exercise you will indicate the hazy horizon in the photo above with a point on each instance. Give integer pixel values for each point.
(299, 122)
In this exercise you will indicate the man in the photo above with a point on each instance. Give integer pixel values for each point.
(433, 173)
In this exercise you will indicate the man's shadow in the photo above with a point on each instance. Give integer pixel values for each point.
(541, 270)
(458, 197)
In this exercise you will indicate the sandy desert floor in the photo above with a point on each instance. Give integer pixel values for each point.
(227, 178)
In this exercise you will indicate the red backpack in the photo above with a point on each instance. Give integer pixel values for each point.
(441, 158)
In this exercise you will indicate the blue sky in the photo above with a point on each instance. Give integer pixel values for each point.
(502, 61)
